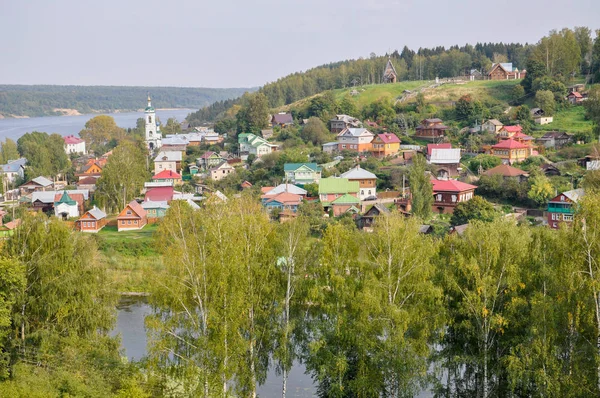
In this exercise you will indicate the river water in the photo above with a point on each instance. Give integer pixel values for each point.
(72, 125)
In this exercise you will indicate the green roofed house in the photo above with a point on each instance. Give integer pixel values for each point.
(302, 173)
(345, 203)
(252, 144)
(66, 207)
(333, 188)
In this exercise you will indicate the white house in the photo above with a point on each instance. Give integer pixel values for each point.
(255, 145)
(221, 171)
(74, 145)
(167, 160)
(13, 170)
(66, 207)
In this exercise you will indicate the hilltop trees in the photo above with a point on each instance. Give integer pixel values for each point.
(101, 134)
(253, 114)
(45, 154)
(8, 151)
(420, 188)
(314, 131)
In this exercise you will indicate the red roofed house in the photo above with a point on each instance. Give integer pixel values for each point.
(385, 144)
(282, 201)
(168, 176)
(575, 97)
(507, 171)
(159, 194)
(511, 151)
(88, 183)
(132, 217)
(431, 129)
(74, 144)
(448, 193)
(508, 131)
(431, 147)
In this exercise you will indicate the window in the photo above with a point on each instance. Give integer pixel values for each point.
(150, 121)
(129, 222)
(122, 222)
(567, 217)
(128, 212)
(439, 197)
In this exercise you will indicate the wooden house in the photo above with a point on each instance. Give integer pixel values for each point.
(492, 126)
(386, 144)
(511, 151)
(367, 220)
(575, 98)
(92, 221)
(341, 122)
(431, 129)
(366, 180)
(507, 171)
(561, 208)
(355, 140)
(332, 188)
(449, 193)
(132, 217)
(389, 73)
(221, 171)
(302, 173)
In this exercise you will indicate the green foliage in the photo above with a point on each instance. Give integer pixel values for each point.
(8, 151)
(346, 106)
(591, 181)
(315, 132)
(171, 127)
(484, 162)
(541, 190)
(101, 134)
(420, 188)
(253, 115)
(517, 94)
(544, 99)
(476, 208)
(45, 154)
(123, 177)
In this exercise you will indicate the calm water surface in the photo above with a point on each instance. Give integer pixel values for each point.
(67, 125)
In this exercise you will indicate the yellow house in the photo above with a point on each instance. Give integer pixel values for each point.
(385, 144)
(511, 151)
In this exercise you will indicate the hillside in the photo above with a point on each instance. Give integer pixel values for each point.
(44, 100)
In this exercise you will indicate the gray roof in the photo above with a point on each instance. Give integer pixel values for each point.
(356, 132)
(13, 166)
(575, 194)
(445, 156)
(495, 122)
(43, 181)
(358, 173)
(151, 204)
(168, 156)
(97, 213)
(48, 196)
(291, 188)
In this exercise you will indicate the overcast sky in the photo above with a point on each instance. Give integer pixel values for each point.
(243, 43)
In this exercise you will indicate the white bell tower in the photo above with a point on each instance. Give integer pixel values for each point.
(153, 134)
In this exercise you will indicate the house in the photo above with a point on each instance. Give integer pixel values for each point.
(37, 184)
(272, 191)
(447, 160)
(431, 129)
(355, 140)
(555, 139)
(282, 201)
(562, 207)
(74, 145)
(367, 220)
(93, 168)
(505, 71)
(221, 171)
(8, 229)
(507, 171)
(575, 98)
(132, 217)
(474, 74)
(167, 160)
(88, 183)
(549, 170)
(155, 209)
(209, 160)
(302, 173)
(193, 169)
(344, 204)
(159, 194)
(431, 147)
(282, 119)
(389, 73)
(246, 184)
(174, 143)
(507, 132)
(539, 116)
(332, 188)
(341, 122)
(266, 133)
(367, 181)
(13, 170)
(45, 200)
(330, 147)
(458, 229)
(511, 151)
(386, 144)
(168, 176)
(92, 221)
(212, 138)
(66, 207)
(449, 193)
(492, 126)
(251, 144)
(590, 162)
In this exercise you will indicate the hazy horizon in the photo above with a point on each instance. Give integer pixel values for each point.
(245, 44)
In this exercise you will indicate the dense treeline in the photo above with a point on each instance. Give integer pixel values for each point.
(42, 100)
(503, 310)
(427, 64)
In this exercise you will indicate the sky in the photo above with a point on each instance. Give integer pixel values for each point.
(247, 43)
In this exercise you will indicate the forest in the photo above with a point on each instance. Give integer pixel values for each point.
(564, 47)
(501, 310)
(42, 100)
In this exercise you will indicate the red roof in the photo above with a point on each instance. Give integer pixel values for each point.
(137, 209)
(505, 170)
(166, 174)
(522, 136)
(284, 198)
(389, 138)
(430, 147)
(266, 189)
(71, 139)
(513, 129)
(510, 144)
(575, 94)
(159, 194)
(206, 155)
(87, 181)
(451, 186)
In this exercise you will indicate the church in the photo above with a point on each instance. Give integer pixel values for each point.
(153, 134)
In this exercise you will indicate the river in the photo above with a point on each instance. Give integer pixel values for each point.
(72, 125)
(130, 324)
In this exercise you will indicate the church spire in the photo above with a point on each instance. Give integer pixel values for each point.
(149, 101)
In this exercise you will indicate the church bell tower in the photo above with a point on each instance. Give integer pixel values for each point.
(153, 134)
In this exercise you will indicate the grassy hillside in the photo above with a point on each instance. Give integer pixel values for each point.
(44, 100)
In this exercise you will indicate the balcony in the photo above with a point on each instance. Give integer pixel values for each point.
(568, 210)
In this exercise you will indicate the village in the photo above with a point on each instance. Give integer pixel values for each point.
(346, 185)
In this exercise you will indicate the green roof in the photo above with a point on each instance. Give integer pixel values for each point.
(295, 166)
(346, 200)
(65, 198)
(149, 109)
(337, 185)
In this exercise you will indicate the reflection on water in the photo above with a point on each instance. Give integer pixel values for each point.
(130, 324)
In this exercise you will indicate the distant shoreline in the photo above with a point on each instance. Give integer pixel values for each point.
(75, 112)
